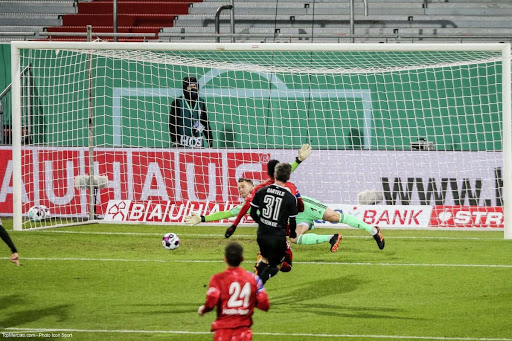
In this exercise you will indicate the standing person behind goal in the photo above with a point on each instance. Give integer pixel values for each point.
(235, 292)
(5, 237)
(188, 119)
(272, 208)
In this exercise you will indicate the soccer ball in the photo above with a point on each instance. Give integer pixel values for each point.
(46, 211)
(171, 241)
(38, 213)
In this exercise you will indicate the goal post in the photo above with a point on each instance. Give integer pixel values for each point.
(426, 125)
(507, 139)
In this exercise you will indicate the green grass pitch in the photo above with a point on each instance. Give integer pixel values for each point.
(113, 282)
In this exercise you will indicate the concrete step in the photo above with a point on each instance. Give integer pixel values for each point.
(62, 7)
(21, 28)
(301, 8)
(27, 19)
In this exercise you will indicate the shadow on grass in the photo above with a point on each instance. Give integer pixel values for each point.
(350, 312)
(32, 315)
(300, 300)
(318, 289)
(8, 301)
(165, 308)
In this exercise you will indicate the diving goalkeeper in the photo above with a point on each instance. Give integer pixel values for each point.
(304, 152)
(313, 210)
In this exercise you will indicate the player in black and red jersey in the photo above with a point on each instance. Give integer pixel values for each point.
(274, 208)
(235, 292)
(304, 152)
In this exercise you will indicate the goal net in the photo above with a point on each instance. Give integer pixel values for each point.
(105, 132)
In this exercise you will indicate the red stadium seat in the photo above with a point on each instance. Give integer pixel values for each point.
(132, 17)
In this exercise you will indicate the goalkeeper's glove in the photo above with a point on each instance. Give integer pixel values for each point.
(194, 219)
(229, 231)
(304, 152)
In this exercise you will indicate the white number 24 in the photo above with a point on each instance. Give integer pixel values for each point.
(239, 296)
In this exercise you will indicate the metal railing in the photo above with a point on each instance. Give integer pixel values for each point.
(98, 35)
(352, 15)
(217, 20)
(270, 37)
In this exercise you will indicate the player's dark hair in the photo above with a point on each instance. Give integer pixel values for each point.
(283, 171)
(234, 254)
(271, 167)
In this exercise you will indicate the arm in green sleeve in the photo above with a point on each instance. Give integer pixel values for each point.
(218, 216)
(294, 164)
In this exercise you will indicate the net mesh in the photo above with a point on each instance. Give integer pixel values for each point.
(423, 128)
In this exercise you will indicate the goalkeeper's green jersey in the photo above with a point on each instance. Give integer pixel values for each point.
(224, 214)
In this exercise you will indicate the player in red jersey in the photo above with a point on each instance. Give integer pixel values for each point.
(304, 152)
(235, 292)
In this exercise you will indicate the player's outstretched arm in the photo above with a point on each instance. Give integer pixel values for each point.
(243, 210)
(195, 218)
(304, 152)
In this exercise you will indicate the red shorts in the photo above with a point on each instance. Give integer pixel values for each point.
(237, 334)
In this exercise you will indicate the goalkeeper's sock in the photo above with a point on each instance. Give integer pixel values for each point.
(357, 223)
(311, 238)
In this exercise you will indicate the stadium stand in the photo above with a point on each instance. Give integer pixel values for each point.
(132, 17)
(269, 20)
(39, 19)
(329, 21)
(22, 20)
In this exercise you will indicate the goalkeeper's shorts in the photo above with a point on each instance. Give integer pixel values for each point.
(313, 210)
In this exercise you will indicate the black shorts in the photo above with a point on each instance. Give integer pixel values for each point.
(272, 248)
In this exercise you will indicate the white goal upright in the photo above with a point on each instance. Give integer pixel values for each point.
(96, 136)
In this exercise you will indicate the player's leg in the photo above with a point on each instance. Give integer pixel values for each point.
(224, 334)
(242, 334)
(286, 265)
(333, 216)
(273, 249)
(7, 240)
(314, 210)
(302, 227)
(262, 258)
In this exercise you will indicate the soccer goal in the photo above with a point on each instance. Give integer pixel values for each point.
(404, 135)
